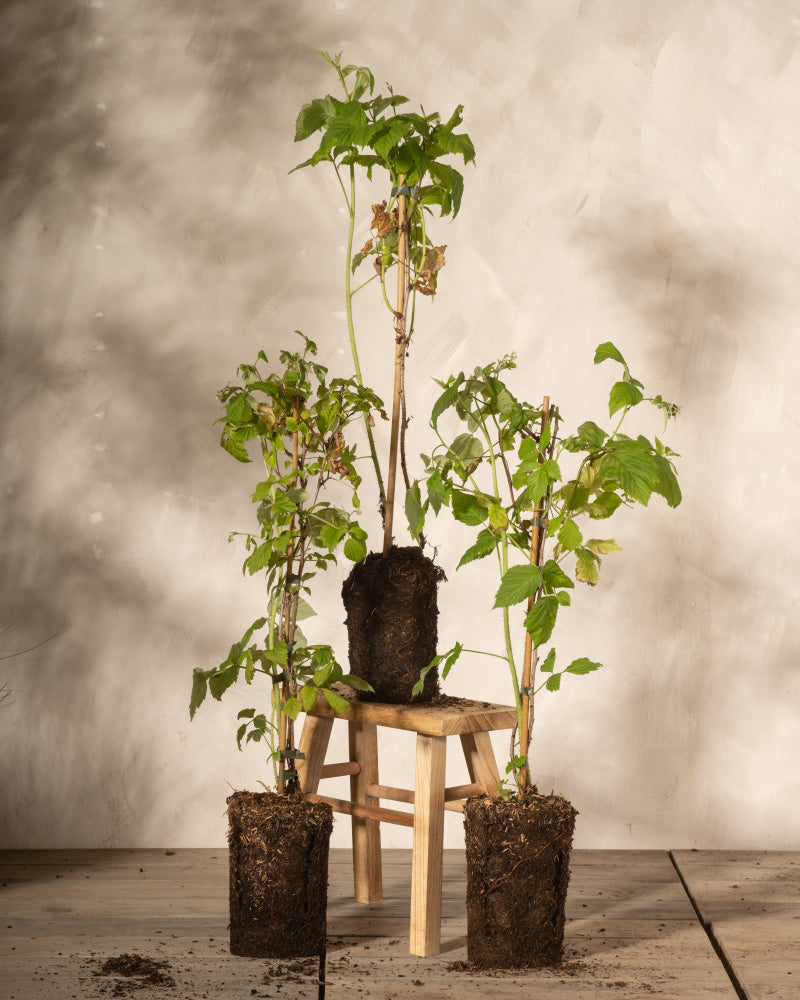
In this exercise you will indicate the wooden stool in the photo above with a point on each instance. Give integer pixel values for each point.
(472, 722)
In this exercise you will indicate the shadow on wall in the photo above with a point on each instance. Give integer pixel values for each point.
(129, 253)
(696, 306)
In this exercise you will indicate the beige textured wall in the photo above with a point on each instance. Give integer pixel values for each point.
(638, 179)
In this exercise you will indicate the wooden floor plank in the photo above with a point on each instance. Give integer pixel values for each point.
(750, 901)
(630, 931)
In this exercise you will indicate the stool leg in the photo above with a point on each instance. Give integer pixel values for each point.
(314, 744)
(367, 871)
(481, 762)
(426, 865)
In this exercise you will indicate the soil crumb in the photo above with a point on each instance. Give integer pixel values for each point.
(134, 972)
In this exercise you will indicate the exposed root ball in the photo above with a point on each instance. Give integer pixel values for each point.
(391, 623)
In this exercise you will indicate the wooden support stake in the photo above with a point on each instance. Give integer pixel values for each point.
(399, 365)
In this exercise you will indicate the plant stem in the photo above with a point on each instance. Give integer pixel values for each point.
(399, 364)
(286, 728)
(529, 659)
(503, 556)
(348, 298)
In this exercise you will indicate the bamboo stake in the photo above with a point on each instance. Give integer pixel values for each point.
(399, 364)
(529, 657)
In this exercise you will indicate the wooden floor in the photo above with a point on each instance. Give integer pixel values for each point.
(683, 924)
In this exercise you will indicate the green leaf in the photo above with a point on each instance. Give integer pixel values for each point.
(358, 683)
(549, 662)
(312, 117)
(414, 511)
(636, 467)
(608, 351)
(336, 701)
(292, 707)
(517, 583)
(589, 437)
(498, 517)
(238, 410)
(623, 394)
(199, 689)
(587, 569)
(554, 576)
(451, 658)
(582, 666)
(541, 619)
(601, 546)
(467, 509)
(604, 505)
(569, 534)
(234, 448)
(330, 535)
(486, 542)
(304, 609)
(259, 558)
(553, 682)
(392, 132)
(355, 549)
(279, 653)
(445, 401)
(221, 679)
(667, 485)
(308, 696)
(437, 492)
(322, 677)
(465, 451)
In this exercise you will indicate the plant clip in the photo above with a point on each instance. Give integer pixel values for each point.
(291, 755)
(528, 690)
(539, 522)
(287, 775)
(409, 192)
(279, 678)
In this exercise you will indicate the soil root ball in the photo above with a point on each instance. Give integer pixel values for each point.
(517, 876)
(392, 623)
(278, 874)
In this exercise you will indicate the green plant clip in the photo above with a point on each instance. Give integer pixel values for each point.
(292, 755)
(409, 192)
(287, 775)
(528, 690)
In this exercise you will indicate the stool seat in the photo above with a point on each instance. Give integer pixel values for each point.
(471, 721)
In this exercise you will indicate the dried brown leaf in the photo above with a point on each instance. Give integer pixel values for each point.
(434, 261)
(382, 222)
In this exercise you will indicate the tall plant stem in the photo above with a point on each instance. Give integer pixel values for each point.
(529, 658)
(502, 555)
(286, 725)
(348, 296)
(400, 343)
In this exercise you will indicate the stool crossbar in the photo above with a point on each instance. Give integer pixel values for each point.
(471, 722)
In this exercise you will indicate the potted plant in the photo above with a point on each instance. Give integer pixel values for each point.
(504, 475)
(390, 597)
(278, 841)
